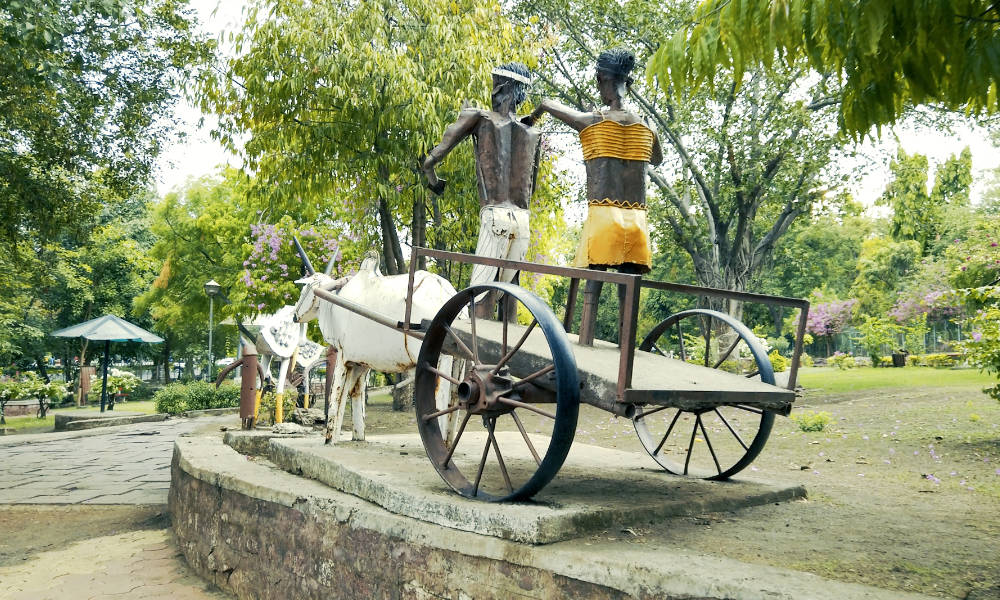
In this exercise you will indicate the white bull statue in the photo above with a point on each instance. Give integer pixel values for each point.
(361, 343)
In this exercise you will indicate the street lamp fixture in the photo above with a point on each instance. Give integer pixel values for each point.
(212, 288)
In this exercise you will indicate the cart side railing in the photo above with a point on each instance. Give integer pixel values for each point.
(632, 284)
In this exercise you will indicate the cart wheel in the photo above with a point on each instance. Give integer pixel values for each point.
(714, 443)
(509, 443)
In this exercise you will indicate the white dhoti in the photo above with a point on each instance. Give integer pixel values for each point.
(503, 233)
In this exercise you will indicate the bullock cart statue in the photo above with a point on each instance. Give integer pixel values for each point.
(699, 387)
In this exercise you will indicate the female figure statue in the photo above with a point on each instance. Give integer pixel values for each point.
(617, 146)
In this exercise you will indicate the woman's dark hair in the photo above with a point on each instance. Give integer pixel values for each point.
(617, 62)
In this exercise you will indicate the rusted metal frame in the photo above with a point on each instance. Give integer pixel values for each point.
(695, 290)
(800, 334)
(802, 304)
(572, 272)
(574, 289)
(626, 342)
(368, 313)
(409, 294)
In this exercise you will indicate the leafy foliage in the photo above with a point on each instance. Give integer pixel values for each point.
(87, 85)
(890, 55)
(739, 167)
(337, 102)
(197, 395)
(812, 421)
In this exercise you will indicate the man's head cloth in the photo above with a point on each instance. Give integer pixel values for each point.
(519, 77)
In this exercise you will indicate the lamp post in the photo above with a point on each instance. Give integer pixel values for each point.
(212, 288)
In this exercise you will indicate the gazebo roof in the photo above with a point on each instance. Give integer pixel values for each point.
(111, 328)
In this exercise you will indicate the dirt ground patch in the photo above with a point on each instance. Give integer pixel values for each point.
(904, 491)
(31, 529)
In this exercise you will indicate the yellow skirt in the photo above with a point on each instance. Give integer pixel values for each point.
(612, 236)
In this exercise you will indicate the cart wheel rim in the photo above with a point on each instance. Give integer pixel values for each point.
(689, 430)
(566, 385)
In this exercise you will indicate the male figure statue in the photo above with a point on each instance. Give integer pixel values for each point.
(507, 153)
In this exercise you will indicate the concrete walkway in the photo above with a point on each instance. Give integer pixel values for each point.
(127, 465)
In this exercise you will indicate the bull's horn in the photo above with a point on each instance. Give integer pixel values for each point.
(329, 265)
(302, 255)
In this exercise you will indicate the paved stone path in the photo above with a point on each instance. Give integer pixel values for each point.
(123, 465)
(137, 564)
(129, 466)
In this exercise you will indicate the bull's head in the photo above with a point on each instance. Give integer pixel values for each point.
(307, 306)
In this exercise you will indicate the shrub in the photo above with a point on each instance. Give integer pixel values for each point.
(778, 362)
(267, 404)
(172, 399)
(842, 361)
(805, 360)
(196, 395)
(810, 421)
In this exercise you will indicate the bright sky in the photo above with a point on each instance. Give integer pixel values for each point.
(197, 154)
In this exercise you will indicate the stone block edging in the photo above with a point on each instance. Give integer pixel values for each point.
(259, 532)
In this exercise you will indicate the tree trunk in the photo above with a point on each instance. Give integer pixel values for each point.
(392, 253)
(776, 314)
(419, 225)
(40, 361)
(166, 360)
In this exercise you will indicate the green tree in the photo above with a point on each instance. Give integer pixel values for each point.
(739, 168)
(883, 265)
(890, 55)
(927, 218)
(337, 102)
(84, 89)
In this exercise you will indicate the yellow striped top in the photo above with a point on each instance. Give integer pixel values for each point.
(611, 139)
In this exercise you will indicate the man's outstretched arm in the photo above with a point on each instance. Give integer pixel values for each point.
(455, 133)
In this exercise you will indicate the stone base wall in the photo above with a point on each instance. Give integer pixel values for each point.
(258, 549)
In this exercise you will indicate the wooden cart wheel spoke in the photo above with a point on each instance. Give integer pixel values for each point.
(441, 413)
(646, 413)
(525, 406)
(730, 346)
(507, 355)
(708, 443)
(472, 325)
(725, 421)
(528, 379)
(512, 369)
(727, 353)
(442, 374)
(667, 434)
(491, 425)
(464, 349)
(482, 466)
(524, 434)
(454, 443)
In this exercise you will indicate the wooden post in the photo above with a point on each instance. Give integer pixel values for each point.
(248, 387)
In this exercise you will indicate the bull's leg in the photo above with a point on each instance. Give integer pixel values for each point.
(336, 416)
(358, 386)
(348, 382)
(279, 392)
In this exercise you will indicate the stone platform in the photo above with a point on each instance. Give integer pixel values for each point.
(261, 532)
(596, 488)
(89, 419)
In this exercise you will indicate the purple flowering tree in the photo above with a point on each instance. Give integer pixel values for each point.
(828, 317)
(272, 264)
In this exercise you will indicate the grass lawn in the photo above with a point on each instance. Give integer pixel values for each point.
(32, 424)
(831, 380)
